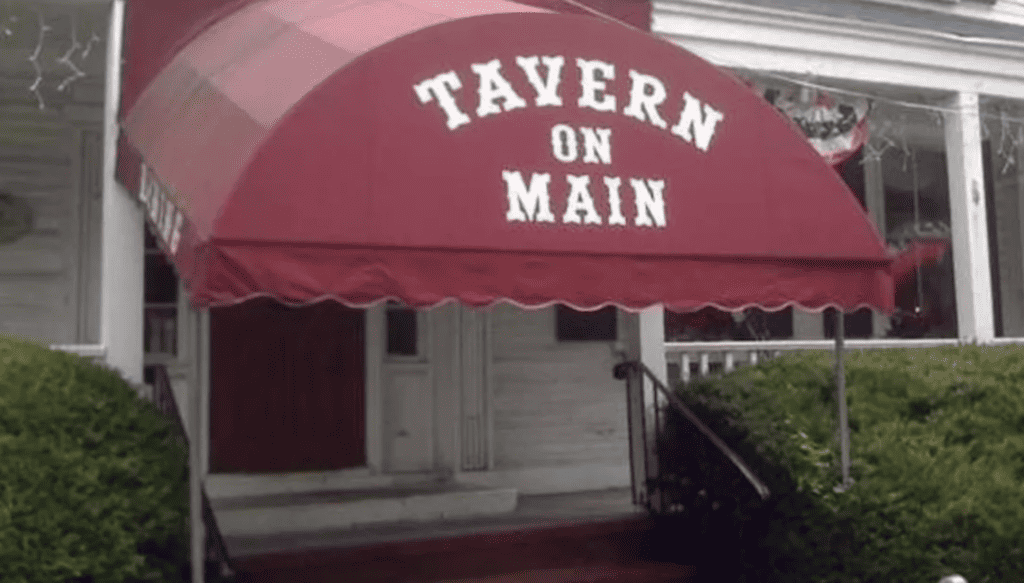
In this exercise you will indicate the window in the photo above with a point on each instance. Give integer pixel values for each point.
(855, 324)
(907, 165)
(160, 324)
(402, 330)
(1003, 134)
(576, 326)
(710, 324)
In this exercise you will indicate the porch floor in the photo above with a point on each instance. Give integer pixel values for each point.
(532, 511)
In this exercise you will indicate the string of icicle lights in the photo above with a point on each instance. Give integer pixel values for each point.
(65, 60)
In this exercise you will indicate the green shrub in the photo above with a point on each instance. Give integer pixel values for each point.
(937, 448)
(93, 484)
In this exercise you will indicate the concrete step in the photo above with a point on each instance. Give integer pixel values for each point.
(276, 514)
(601, 573)
(591, 552)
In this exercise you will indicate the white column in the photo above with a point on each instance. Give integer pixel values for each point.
(652, 341)
(121, 256)
(196, 477)
(652, 354)
(808, 325)
(202, 385)
(630, 348)
(968, 219)
(374, 348)
(473, 413)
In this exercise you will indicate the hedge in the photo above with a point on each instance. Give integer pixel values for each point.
(937, 441)
(93, 483)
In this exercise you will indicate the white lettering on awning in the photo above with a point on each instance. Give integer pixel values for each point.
(650, 202)
(528, 204)
(533, 203)
(440, 88)
(547, 89)
(597, 145)
(492, 87)
(167, 220)
(593, 77)
(648, 95)
(645, 95)
(612, 183)
(651, 102)
(693, 127)
(580, 201)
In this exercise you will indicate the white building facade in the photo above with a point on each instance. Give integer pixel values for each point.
(944, 82)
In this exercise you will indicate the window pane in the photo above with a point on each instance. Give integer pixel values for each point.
(855, 325)
(905, 166)
(1003, 135)
(575, 326)
(161, 282)
(402, 332)
(150, 239)
(710, 324)
(160, 331)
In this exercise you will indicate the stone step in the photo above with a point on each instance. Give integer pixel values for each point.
(276, 514)
(601, 573)
(605, 551)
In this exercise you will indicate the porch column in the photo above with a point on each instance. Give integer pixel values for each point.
(652, 342)
(643, 338)
(808, 325)
(652, 354)
(972, 276)
(477, 450)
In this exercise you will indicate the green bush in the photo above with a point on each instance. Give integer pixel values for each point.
(93, 483)
(937, 448)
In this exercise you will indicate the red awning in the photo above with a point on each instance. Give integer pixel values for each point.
(484, 151)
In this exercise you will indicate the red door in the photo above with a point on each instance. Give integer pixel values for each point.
(287, 387)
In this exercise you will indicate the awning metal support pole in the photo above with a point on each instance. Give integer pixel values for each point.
(195, 485)
(844, 425)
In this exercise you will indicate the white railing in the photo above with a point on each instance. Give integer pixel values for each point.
(96, 352)
(700, 359)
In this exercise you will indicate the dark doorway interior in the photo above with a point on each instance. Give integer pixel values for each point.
(287, 387)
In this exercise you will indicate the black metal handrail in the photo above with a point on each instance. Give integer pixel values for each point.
(163, 397)
(622, 370)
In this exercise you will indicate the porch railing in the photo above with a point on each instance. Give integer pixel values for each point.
(163, 396)
(688, 361)
(653, 426)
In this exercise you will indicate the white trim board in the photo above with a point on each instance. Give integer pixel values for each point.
(553, 480)
(736, 35)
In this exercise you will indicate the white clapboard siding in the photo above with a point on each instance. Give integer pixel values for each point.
(45, 277)
(555, 404)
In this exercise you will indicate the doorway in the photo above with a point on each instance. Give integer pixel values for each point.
(287, 388)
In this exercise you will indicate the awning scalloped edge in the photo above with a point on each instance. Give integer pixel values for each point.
(524, 306)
